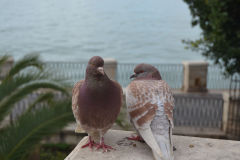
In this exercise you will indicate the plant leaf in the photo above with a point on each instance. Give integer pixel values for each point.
(41, 98)
(7, 103)
(31, 127)
(10, 85)
(27, 61)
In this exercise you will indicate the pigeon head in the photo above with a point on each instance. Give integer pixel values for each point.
(96, 61)
(146, 71)
(95, 69)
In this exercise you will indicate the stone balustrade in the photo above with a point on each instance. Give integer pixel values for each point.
(195, 76)
(110, 67)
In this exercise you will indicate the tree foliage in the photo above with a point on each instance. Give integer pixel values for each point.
(220, 37)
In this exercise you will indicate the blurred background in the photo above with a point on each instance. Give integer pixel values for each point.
(45, 46)
(129, 31)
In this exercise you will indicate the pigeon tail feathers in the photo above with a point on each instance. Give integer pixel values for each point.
(166, 148)
(148, 137)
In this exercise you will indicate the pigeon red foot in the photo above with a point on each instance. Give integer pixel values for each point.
(103, 146)
(136, 138)
(90, 143)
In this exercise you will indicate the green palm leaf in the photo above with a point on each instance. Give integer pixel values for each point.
(45, 97)
(10, 85)
(26, 62)
(7, 103)
(25, 77)
(32, 127)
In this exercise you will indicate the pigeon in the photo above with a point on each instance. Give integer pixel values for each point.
(150, 106)
(96, 103)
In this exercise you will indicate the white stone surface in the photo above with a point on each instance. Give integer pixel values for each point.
(188, 148)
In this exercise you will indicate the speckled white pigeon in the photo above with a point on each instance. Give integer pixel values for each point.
(150, 106)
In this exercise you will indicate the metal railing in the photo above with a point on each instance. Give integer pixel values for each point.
(71, 72)
(216, 79)
(191, 110)
(171, 73)
(198, 111)
(23, 104)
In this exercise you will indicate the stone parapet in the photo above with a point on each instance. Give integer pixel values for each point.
(187, 148)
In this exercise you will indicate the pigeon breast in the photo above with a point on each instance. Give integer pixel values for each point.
(98, 109)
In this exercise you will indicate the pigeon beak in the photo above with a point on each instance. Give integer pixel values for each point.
(133, 76)
(100, 69)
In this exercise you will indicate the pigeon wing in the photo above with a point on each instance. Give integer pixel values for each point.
(146, 100)
(75, 94)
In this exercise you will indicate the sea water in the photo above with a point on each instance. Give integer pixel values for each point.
(131, 31)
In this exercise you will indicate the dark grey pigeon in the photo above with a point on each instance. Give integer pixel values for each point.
(96, 103)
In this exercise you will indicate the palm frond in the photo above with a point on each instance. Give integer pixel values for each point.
(32, 127)
(10, 85)
(25, 62)
(42, 98)
(25, 77)
(7, 102)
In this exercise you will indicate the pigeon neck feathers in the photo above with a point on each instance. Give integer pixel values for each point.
(95, 80)
(95, 75)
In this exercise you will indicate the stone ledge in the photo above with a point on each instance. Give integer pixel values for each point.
(188, 148)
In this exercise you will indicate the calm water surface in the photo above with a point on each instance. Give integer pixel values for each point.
(71, 30)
